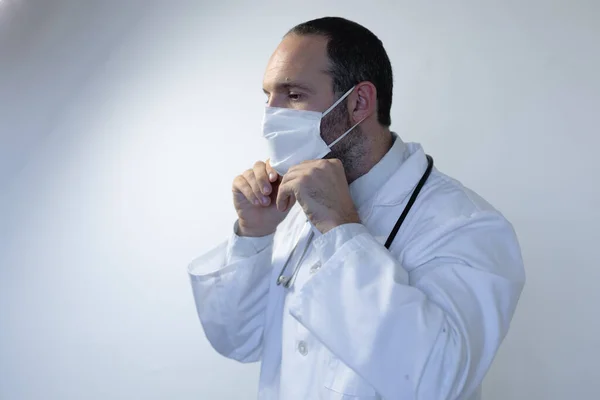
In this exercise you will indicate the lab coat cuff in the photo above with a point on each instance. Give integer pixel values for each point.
(329, 243)
(241, 247)
(208, 265)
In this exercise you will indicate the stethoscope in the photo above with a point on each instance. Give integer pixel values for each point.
(287, 281)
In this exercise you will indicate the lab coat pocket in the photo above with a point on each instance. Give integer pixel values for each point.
(342, 383)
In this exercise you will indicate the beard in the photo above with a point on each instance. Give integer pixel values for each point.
(351, 149)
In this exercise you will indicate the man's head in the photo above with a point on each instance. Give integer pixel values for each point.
(316, 63)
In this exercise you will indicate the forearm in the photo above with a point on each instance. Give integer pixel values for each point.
(439, 335)
(230, 286)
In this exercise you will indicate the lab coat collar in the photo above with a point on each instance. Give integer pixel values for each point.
(366, 186)
(405, 178)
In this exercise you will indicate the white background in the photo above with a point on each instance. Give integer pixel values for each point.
(123, 124)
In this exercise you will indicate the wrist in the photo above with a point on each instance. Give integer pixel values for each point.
(245, 231)
(326, 226)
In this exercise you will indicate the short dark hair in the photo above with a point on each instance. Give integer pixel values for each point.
(356, 55)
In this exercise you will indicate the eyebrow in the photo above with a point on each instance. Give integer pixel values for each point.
(291, 85)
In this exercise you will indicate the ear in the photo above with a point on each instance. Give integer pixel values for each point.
(363, 102)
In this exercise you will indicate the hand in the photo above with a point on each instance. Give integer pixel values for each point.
(254, 194)
(321, 188)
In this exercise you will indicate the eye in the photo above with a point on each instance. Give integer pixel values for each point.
(294, 96)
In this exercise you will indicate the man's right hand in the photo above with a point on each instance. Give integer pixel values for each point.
(254, 195)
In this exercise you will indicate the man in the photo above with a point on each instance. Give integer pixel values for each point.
(306, 285)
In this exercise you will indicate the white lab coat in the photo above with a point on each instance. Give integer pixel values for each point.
(421, 321)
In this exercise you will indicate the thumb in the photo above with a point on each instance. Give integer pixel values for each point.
(285, 197)
(275, 190)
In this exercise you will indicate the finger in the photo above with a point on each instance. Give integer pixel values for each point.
(249, 175)
(303, 168)
(262, 179)
(290, 203)
(273, 175)
(241, 185)
(275, 189)
(309, 164)
(292, 174)
(286, 195)
(283, 196)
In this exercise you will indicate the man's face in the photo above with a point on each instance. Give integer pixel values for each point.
(297, 78)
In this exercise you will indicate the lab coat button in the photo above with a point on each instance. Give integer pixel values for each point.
(303, 348)
(315, 267)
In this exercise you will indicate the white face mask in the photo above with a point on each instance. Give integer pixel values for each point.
(294, 136)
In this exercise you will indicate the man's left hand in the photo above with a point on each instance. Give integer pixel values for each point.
(321, 188)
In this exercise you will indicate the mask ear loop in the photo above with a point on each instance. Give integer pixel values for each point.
(347, 132)
(339, 101)
(332, 107)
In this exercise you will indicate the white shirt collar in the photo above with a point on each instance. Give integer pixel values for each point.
(367, 185)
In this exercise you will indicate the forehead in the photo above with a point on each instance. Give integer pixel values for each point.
(301, 59)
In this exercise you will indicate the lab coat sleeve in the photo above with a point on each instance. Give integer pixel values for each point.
(230, 285)
(433, 339)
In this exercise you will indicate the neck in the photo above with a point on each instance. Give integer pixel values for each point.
(368, 153)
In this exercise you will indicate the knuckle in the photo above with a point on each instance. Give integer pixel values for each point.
(303, 180)
(251, 178)
(286, 189)
(238, 180)
(262, 177)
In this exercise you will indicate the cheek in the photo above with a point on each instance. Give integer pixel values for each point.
(309, 103)
(334, 123)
